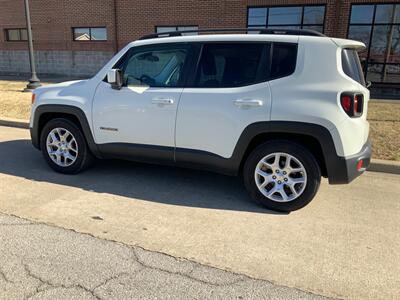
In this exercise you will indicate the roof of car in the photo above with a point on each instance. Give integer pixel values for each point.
(343, 43)
(226, 34)
(219, 38)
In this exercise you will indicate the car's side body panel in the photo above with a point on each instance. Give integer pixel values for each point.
(133, 115)
(338, 167)
(212, 119)
(206, 128)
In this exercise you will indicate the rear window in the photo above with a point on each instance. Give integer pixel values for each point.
(284, 59)
(351, 65)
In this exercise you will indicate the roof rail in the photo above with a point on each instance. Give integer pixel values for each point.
(283, 31)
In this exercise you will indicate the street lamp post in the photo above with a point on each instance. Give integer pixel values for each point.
(34, 82)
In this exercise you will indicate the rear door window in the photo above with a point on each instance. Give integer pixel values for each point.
(225, 65)
(351, 65)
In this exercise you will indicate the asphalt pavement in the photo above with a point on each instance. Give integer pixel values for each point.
(44, 262)
(343, 245)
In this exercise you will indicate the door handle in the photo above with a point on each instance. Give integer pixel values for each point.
(248, 102)
(162, 101)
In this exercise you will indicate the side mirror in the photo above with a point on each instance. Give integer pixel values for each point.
(369, 83)
(115, 78)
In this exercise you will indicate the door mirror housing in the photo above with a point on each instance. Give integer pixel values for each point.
(115, 78)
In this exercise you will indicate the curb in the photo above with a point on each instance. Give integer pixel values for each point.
(384, 166)
(14, 123)
(376, 165)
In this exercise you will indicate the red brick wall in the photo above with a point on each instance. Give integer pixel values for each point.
(52, 20)
(134, 22)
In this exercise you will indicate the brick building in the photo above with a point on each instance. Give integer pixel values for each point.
(76, 37)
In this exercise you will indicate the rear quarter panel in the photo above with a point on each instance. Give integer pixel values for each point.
(312, 94)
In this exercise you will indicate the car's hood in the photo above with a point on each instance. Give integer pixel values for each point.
(54, 88)
(75, 93)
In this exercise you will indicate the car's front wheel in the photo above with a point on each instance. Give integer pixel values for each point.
(282, 175)
(64, 146)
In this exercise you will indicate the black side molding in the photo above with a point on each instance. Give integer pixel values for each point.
(340, 170)
(63, 109)
(138, 152)
(231, 166)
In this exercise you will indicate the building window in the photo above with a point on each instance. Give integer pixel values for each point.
(89, 34)
(378, 27)
(161, 29)
(290, 17)
(16, 34)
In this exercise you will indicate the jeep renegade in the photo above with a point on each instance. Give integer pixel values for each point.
(281, 108)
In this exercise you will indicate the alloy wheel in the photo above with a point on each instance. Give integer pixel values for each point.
(280, 177)
(62, 147)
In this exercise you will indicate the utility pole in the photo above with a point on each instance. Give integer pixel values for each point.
(116, 26)
(34, 82)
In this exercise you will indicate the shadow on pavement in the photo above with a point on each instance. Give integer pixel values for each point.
(146, 182)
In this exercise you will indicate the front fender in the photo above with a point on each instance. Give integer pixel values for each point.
(58, 110)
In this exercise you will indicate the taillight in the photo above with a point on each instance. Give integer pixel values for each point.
(352, 104)
(33, 98)
(346, 103)
(358, 104)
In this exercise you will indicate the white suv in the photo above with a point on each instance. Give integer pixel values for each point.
(282, 108)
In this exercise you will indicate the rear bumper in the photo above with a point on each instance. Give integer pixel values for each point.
(346, 169)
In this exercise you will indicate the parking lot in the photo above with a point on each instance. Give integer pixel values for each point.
(343, 245)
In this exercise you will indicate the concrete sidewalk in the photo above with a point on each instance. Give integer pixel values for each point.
(38, 261)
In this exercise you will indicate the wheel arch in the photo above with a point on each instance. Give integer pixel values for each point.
(44, 113)
(307, 141)
(316, 138)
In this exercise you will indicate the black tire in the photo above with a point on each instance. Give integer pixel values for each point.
(84, 157)
(300, 153)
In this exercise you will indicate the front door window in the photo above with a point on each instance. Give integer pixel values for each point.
(155, 68)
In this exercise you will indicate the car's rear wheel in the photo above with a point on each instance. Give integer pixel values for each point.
(282, 175)
(64, 147)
